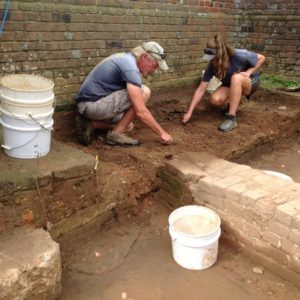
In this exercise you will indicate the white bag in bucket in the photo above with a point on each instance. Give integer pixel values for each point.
(195, 232)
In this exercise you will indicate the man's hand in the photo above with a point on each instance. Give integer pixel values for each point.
(166, 139)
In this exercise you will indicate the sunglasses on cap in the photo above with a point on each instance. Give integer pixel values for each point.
(162, 55)
(210, 51)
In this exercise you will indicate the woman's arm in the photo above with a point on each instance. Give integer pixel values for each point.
(260, 61)
(195, 100)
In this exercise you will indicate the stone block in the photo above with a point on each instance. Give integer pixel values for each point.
(270, 183)
(247, 173)
(236, 190)
(176, 189)
(294, 263)
(235, 207)
(208, 184)
(294, 236)
(209, 199)
(185, 170)
(251, 196)
(286, 212)
(263, 210)
(272, 238)
(225, 182)
(30, 265)
(270, 251)
(252, 229)
(279, 229)
(288, 247)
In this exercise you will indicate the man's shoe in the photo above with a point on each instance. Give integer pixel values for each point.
(229, 124)
(121, 139)
(85, 130)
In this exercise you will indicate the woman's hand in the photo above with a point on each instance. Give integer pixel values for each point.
(186, 117)
(245, 74)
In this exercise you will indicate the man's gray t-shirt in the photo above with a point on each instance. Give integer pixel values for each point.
(241, 60)
(108, 76)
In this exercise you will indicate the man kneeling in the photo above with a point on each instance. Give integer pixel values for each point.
(112, 96)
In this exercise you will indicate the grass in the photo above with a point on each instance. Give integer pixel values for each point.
(270, 81)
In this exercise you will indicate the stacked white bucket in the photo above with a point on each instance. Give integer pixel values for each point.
(26, 110)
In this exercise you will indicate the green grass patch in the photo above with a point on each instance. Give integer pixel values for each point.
(269, 81)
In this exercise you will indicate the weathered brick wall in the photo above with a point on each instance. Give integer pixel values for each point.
(63, 40)
(273, 28)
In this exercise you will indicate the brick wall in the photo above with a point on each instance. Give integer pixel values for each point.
(273, 28)
(63, 40)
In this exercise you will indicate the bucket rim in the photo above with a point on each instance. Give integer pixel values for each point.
(29, 75)
(195, 207)
(15, 102)
(46, 125)
(194, 241)
(27, 116)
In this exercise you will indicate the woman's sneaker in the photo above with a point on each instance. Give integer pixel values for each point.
(85, 130)
(229, 124)
(224, 109)
(121, 139)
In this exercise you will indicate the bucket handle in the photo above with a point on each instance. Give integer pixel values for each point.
(42, 126)
(16, 147)
(6, 147)
(31, 117)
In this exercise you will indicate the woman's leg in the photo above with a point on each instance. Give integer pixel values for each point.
(220, 96)
(240, 85)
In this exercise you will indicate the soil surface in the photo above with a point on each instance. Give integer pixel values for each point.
(283, 157)
(131, 258)
(268, 117)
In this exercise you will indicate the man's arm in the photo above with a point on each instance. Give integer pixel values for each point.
(143, 113)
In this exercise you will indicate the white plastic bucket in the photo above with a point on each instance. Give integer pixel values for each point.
(279, 175)
(195, 232)
(26, 115)
(30, 142)
(26, 120)
(26, 94)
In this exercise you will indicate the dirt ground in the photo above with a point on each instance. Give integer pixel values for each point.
(268, 116)
(131, 257)
(269, 121)
(283, 157)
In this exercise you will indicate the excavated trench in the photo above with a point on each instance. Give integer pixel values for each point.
(267, 138)
(281, 156)
(105, 261)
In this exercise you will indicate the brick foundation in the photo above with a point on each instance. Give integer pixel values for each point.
(260, 213)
